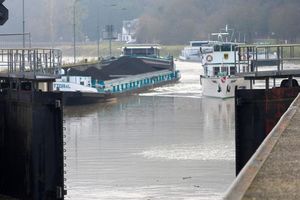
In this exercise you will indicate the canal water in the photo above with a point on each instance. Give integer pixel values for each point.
(168, 143)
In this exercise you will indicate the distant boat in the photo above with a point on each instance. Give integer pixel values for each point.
(194, 51)
(220, 73)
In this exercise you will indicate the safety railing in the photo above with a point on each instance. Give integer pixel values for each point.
(31, 61)
(275, 57)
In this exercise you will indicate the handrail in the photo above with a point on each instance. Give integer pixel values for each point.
(254, 56)
(45, 61)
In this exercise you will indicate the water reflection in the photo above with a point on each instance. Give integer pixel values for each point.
(150, 147)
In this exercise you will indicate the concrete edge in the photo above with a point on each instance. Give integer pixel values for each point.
(244, 179)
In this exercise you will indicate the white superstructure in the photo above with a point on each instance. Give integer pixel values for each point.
(220, 72)
(74, 84)
(194, 51)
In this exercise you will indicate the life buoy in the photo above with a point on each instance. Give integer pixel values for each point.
(209, 58)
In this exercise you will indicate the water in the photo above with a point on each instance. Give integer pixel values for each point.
(169, 143)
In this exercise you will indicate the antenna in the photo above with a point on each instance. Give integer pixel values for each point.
(220, 36)
(229, 31)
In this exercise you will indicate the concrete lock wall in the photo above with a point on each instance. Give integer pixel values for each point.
(31, 145)
(256, 113)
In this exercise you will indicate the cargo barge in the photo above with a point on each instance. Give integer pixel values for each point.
(139, 68)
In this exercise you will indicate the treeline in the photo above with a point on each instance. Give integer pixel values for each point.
(53, 20)
(179, 21)
(45, 20)
(161, 21)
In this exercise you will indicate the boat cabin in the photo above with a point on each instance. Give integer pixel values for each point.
(224, 47)
(221, 62)
(190, 51)
(141, 50)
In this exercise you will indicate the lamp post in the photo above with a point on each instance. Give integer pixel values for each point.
(98, 35)
(23, 11)
(98, 29)
(74, 30)
(98, 42)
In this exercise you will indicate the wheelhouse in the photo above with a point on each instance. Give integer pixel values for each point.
(225, 47)
(147, 51)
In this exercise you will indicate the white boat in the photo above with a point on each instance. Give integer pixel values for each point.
(220, 72)
(194, 51)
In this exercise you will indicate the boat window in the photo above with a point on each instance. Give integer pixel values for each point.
(232, 70)
(224, 69)
(14, 85)
(198, 43)
(81, 82)
(226, 47)
(140, 51)
(216, 48)
(216, 71)
(194, 52)
(223, 72)
(233, 47)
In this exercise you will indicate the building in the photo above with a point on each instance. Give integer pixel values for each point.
(129, 30)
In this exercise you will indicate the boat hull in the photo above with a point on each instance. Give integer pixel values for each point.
(222, 87)
(83, 98)
(86, 95)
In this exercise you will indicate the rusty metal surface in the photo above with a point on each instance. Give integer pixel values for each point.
(273, 171)
(257, 112)
(279, 176)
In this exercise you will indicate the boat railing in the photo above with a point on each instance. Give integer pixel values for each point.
(30, 63)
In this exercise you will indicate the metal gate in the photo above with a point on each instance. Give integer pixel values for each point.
(256, 113)
(31, 145)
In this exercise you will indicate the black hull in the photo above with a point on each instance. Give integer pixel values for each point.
(83, 98)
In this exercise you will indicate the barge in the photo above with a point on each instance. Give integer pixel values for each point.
(139, 68)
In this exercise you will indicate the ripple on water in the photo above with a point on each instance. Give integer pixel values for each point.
(197, 152)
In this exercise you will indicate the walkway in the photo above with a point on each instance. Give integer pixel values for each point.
(273, 172)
